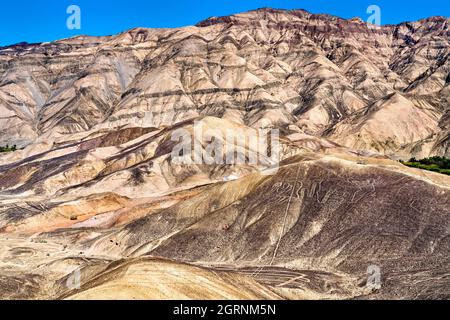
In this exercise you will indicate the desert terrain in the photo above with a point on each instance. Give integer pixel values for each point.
(93, 205)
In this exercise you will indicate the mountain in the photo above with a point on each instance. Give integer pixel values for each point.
(325, 76)
(96, 194)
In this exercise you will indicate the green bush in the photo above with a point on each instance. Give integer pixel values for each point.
(435, 164)
(7, 148)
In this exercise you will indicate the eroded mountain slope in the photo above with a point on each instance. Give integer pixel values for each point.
(325, 218)
(94, 205)
(264, 68)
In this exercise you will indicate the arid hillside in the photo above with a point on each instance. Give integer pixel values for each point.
(384, 89)
(93, 203)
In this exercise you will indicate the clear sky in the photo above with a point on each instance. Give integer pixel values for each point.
(45, 20)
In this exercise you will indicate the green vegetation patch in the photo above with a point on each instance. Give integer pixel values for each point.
(7, 148)
(435, 164)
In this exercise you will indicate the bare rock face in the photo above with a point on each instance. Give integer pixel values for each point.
(337, 78)
(94, 195)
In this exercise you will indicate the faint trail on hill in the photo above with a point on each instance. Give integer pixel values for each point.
(259, 270)
(288, 206)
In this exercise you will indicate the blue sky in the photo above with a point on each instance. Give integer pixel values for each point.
(45, 20)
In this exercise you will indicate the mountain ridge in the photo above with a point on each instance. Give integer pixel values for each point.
(262, 9)
(97, 195)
